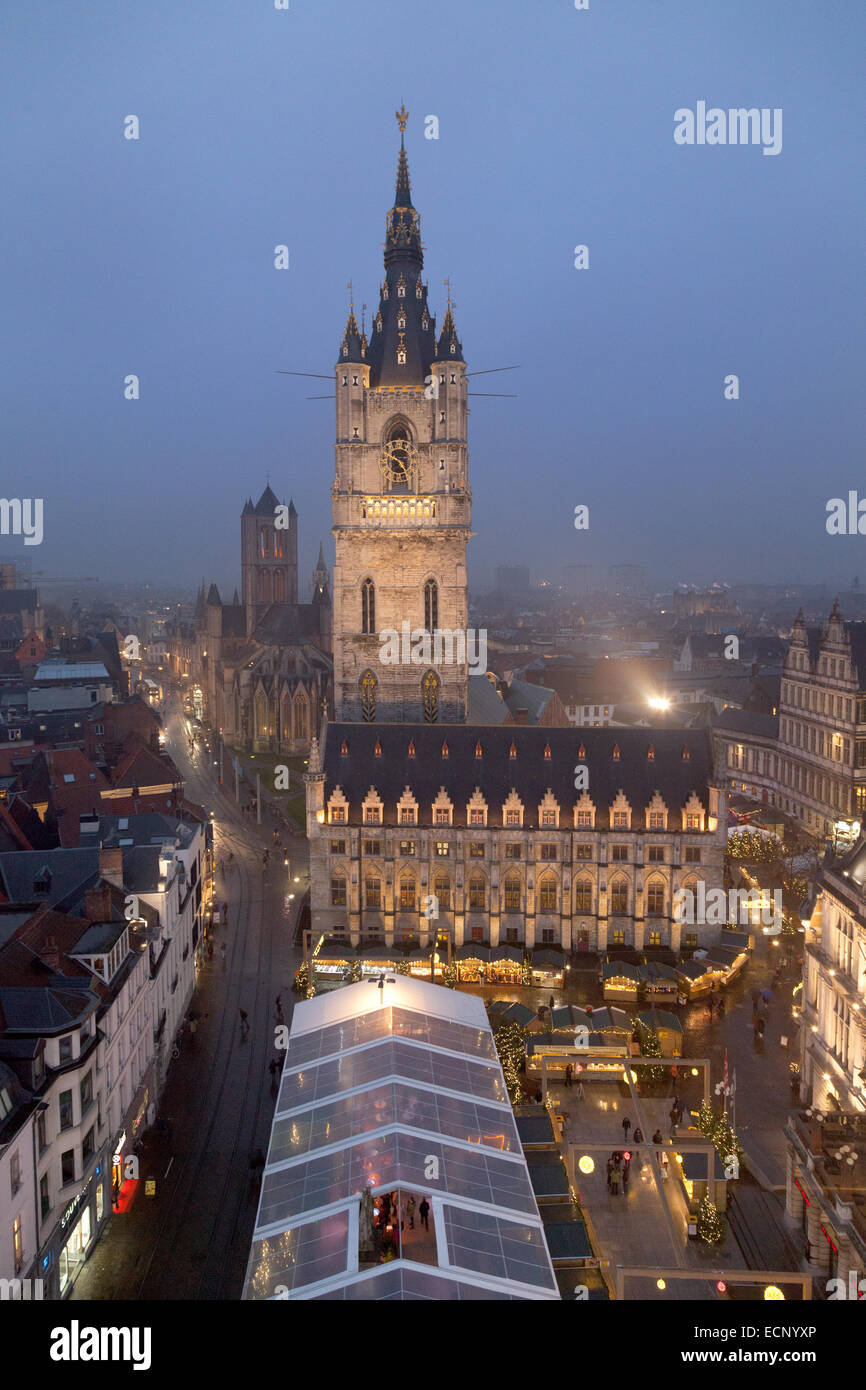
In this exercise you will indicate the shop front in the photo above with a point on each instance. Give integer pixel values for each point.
(71, 1242)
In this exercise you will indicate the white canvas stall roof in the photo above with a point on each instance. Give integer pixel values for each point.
(379, 1094)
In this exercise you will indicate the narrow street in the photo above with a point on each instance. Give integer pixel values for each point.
(191, 1240)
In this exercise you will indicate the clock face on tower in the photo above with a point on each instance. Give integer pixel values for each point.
(398, 462)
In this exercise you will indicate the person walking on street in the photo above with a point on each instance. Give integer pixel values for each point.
(225, 914)
(569, 1070)
(551, 1002)
(424, 1213)
(674, 1119)
(637, 1138)
(223, 953)
(657, 1137)
(245, 1023)
(626, 1126)
(579, 1093)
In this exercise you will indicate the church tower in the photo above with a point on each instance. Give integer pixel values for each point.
(401, 502)
(269, 557)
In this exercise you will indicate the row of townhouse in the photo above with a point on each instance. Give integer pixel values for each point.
(98, 955)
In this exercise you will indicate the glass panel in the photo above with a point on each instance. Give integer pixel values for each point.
(498, 1249)
(390, 1058)
(344, 1118)
(300, 1255)
(406, 1284)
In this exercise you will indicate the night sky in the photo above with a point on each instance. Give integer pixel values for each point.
(260, 127)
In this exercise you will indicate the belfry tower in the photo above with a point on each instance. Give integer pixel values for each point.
(401, 502)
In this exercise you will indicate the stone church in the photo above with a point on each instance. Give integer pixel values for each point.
(263, 660)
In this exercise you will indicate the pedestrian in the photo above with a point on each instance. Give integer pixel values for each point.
(672, 1127)
(626, 1126)
(569, 1070)
(551, 1002)
(245, 1023)
(223, 953)
(615, 1176)
(225, 914)
(410, 1212)
(657, 1137)
(424, 1213)
(637, 1136)
(579, 1091)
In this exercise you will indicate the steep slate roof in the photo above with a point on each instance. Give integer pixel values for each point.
(530, 773)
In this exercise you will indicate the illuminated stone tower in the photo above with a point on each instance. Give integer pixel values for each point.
(401, 501)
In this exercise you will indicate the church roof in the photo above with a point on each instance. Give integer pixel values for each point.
(267, 503)
(213, 597)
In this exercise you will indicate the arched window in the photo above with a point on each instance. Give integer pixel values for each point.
(512, 894)
(442, 891)
(619, 896)
(278, 544)
(368, 607)
(264, 586)
(431, 605)
(547, 894)
(300, 719)
(477, 894)
(583, 895)
(261, 708)
(279, 586)
(655, 897)
(368, 697)
(407, 895)
(430, 691)
(264, 542)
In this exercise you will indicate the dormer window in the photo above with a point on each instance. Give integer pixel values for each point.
(344, 749)
(453, 348)
(377, 751)
(419, 291)
(412, 749)
(401, 288)
(42, 881)
(379, 323)
(401, 318)
(425, 323)
(651, 754)
(345, 350)
(512, 752)
(385, 291)
(581, 752)
(547, 753)
(445, 750)
(401, 356)
(616, 753)
(687, 753)
(478, 752)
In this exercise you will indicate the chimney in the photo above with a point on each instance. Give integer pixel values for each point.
(50, 953)
(520, 716)
(97, 903)
(111, 866)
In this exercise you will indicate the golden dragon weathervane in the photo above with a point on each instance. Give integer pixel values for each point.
(402, 117)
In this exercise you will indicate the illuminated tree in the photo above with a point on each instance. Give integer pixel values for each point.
(511, 1049)
(710, 1228)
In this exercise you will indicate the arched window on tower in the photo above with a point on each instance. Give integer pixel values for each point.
(430, 691)
(264, 542)
(431, 605)
(368, 607)
(278, 544)
(264, 586)
(368, 697)
(279, 586)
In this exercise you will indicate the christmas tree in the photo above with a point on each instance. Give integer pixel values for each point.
(710, 1228)
(511, 1047)
(706, 1119)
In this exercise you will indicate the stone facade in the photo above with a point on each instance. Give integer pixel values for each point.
(492, 828)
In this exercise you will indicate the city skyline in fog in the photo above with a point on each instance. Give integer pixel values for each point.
(155, 258)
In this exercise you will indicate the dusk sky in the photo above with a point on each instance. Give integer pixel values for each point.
(260, 127)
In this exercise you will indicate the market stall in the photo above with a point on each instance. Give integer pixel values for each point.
(506, 965)
(473, 962)
(548, 966)
(620, 980)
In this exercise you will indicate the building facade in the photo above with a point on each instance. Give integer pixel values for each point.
(480, 831)
(826, 1172)
(814, 769)
(401, 500)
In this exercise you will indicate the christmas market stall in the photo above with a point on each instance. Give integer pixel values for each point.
(620, 980)
(667, 1027)
(506, 965)
(548, 966)
(331, 963)
(473, 963)
(661, 983)
(419, 962)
